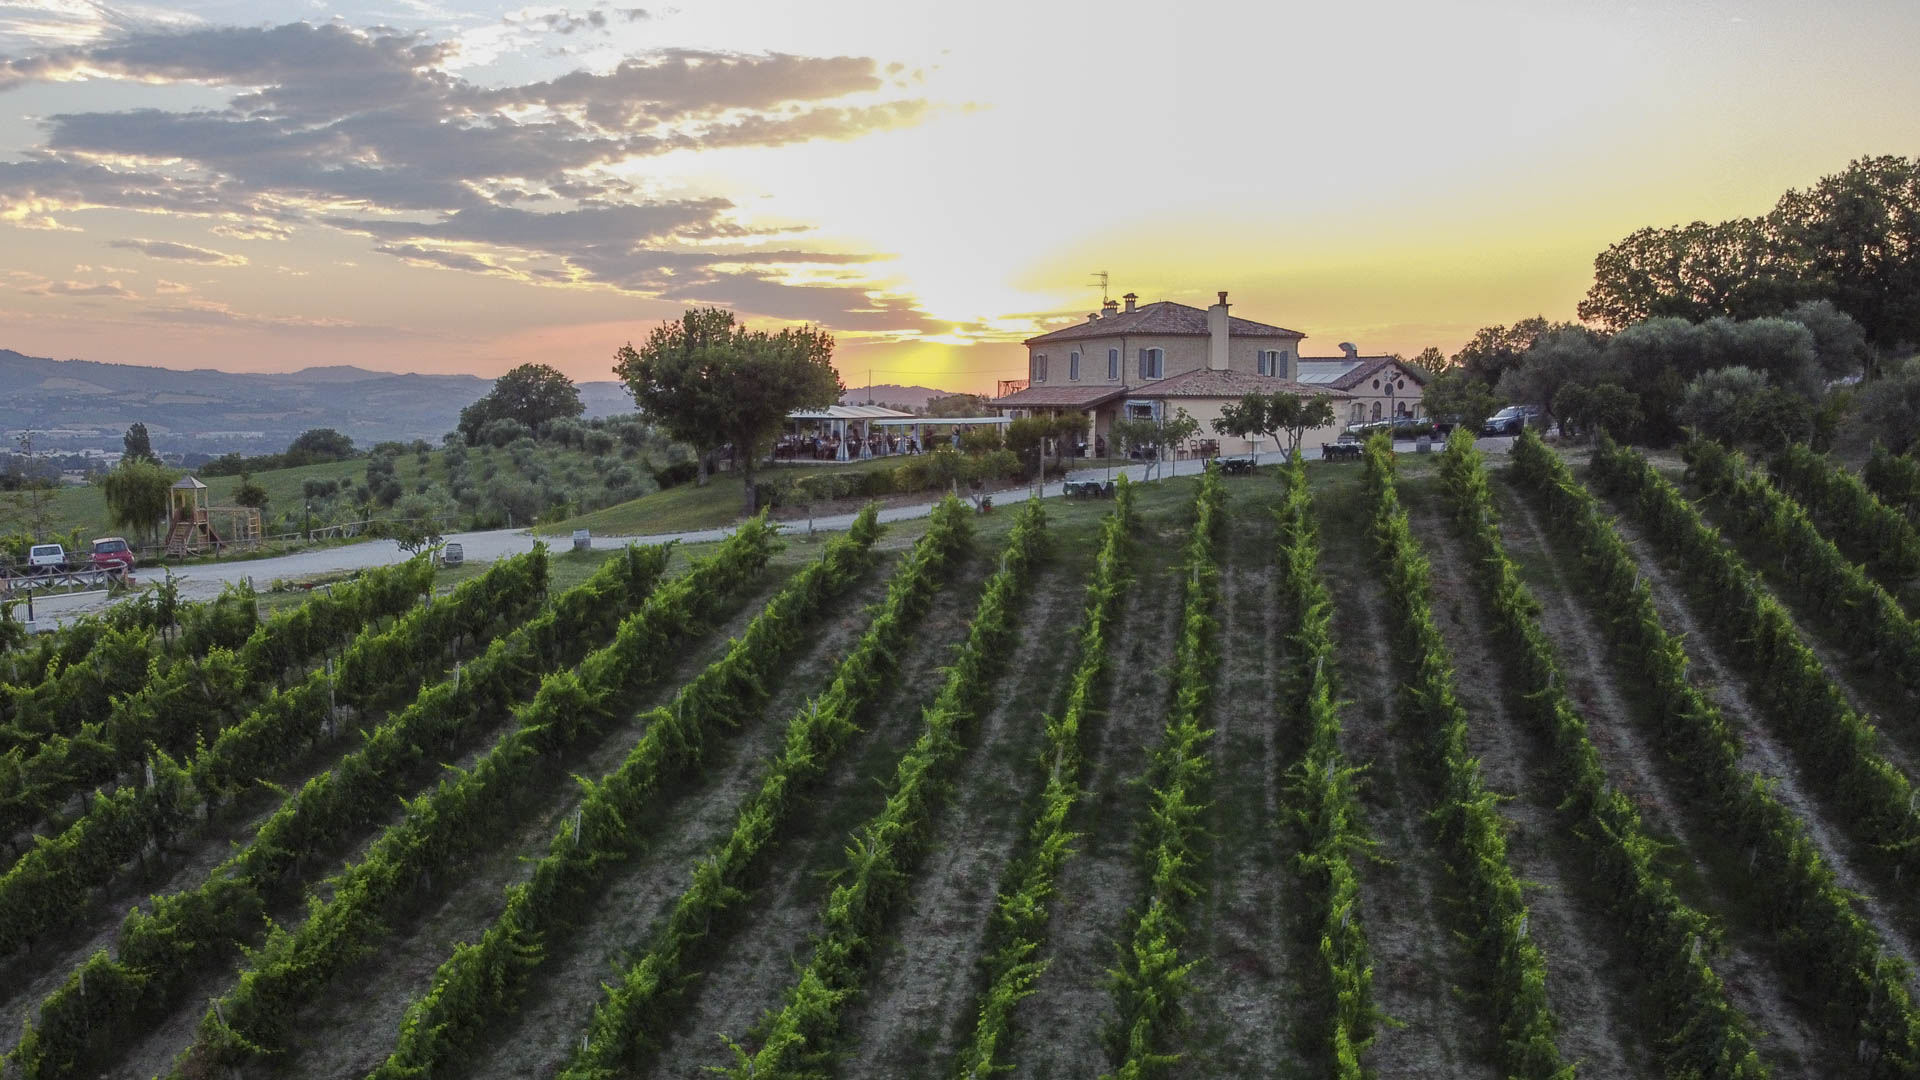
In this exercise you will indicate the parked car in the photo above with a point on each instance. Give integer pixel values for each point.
(1510, 420)
(110, 551)
(1403, 427)
(46, 559)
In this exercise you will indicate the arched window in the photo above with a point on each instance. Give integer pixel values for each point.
(1376, 410)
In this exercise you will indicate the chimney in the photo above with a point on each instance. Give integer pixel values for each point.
(1092, 317)
(1109, 308)
(1130, 298)
(1352, 352)
(1217, 337)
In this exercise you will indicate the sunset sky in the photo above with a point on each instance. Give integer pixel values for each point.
(462, 187)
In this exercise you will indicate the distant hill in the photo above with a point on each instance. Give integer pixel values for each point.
(913, 397)
(83, 404)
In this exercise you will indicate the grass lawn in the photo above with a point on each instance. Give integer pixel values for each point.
(690, 506)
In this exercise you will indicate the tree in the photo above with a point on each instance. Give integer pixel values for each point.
(1855, 237)
(1565, 354)
(1432, 359)
(1738, 269)
(136, 493)
(1738, 405)
(417, 519)
(710, 382)
(137, 444)
(1155, 437)
(533, 394)
(1596, 407)
(956, 405)
(1461, 397)
(1494, 349)
(1839, 343)
(1264, 415)
(248, 493)
(1890, 406)
(317, 445)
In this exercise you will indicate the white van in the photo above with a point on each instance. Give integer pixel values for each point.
(46, 559)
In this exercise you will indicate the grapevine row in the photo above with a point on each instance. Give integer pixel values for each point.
(1471, 827)
(109, 999)
(1019, 927)
(1322, 803)
(1867, 530)
(1896, 479)
(885, 850)
(258, 1016)
(631, 1024)
(1151, 980)
(1837, 746)
(1868, 619)
(1829, 945)
(184, 701)
(47, 889)
(1699, 1031)
(482, 983)
(153, 609)
(83, 688)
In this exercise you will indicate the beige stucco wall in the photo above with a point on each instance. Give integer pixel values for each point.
(1407, 393)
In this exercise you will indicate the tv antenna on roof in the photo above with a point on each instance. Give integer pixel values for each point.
(1100, 279)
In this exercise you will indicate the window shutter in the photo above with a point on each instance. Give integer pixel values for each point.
(1143, 365)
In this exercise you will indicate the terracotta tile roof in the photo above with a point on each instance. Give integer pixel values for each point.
(1163, 317)
(1059, 397)
(1369, 365)
(1207, 383)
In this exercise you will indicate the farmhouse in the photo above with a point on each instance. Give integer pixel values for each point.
(1148, 360)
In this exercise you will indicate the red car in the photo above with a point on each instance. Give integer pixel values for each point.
(111, 551)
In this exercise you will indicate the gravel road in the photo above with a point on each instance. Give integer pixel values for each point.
(205, 581)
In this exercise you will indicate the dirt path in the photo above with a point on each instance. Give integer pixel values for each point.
(1639, 768)
(1244, 987)
(1405, 889)
(1590, 981)
(355, 1030)
(751, 965)
(1061, 1025)
(920, 997)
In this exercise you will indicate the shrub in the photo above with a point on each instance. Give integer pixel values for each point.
(676, 474)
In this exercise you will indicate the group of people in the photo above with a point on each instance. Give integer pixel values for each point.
(827, 447)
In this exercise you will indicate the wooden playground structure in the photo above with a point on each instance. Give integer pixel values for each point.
(191, 522)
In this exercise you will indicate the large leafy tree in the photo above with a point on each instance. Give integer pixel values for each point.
(319, 444)
(1155, 437)
(1494, 349)
(1459, 396)
(533, 394)
(136, 492)
(711, 382)
(955, 405)
(1738, 268)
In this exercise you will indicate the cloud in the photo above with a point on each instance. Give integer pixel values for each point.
(81, 288)
(371, 132)
(452, 260)
(167, 249)
(164, 287)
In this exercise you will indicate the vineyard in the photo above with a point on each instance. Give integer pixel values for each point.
(1532, 765)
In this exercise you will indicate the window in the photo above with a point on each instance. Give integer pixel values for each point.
(1376, 410)
(1359, 411)
(1073, 365)
(1039, 373)
(1273, 362)
(1113, 365)
(1153, 363)
(1260, 363)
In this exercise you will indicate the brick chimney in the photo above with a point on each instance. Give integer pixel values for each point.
(1217, 336)
(1109, 308)
(1130, 298)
